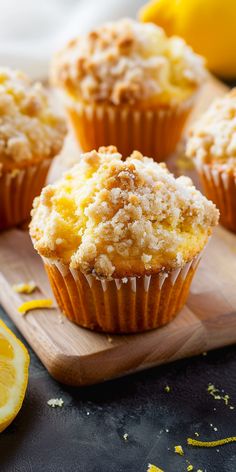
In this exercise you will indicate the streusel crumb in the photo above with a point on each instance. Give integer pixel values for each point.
(128, 62)
(29, 128)
(213, 137)
(114, 218)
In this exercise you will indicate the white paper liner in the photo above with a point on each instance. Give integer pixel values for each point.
(132, 281)
(220, 187)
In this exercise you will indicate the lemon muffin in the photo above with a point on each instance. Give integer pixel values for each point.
(126, 83)
(121, 240)
(31, 134)
(212, 145)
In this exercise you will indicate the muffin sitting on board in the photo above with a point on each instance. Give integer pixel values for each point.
(212, 145)
(128, 84)
(121, 240)
(31, 134)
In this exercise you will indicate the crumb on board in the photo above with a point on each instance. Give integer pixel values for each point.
(190, 467)
(53, 402)
(109, 339)
(153, 468)
(125, 436)
(87, 413)
(167, 430)
(217, 395)
(25, 287)
(196, 434)
(167, 389)
(179, 450)
(35, 304)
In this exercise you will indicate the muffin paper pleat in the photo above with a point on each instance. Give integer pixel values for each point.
(220, 187)
(154, 132)
(127, 305)
(18, 189)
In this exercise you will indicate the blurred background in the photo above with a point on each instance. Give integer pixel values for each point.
(31, 30)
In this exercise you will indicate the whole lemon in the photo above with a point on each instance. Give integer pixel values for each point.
(209, 26)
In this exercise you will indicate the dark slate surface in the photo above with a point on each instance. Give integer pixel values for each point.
(86, 434)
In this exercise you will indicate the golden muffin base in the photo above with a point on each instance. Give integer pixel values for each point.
(153, 132)
(129, 305)
(18, 188)
(220, 187)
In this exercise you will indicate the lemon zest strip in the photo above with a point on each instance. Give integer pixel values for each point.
(34, 304)
(219, 442)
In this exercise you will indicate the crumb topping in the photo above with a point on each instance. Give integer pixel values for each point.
(114, 218)
(29, 128)
(213, 137)
(128, 62)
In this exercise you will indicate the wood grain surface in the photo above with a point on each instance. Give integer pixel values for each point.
(77, 356)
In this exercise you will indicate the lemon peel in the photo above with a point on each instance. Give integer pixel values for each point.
(219, 442)
(34, 304)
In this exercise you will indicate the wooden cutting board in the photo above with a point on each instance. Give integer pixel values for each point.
(77, 356)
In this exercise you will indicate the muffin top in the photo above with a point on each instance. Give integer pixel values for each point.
(213, 138)
(115, 218)
(29, 129)
(126, 62)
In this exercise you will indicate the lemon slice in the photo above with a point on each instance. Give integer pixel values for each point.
(14, 364)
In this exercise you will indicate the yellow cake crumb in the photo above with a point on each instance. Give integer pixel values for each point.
(25, 287)
(179, 450)
(35, 304)
(167, 389)
(190, 467)
(154, 468)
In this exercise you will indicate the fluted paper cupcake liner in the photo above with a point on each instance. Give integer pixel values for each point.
(153, 132)
(220, 187)
(18, 188)
(128, 305)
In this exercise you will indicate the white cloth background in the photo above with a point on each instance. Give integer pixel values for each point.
(31, 30)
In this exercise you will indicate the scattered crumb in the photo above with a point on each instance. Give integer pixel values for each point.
(204, 353)
(216, 394)
(35, 304)
(215, 429)
(217, 450)
(196, 434)
(199, 470)
(179, 450)
(167, 389)
(125, 436)
(61, 319)
(167, 430)
(215, 408)
(88, 413)
(53, 402)
(190, 467)
(25, 287)
(109, 339)
(153, 468)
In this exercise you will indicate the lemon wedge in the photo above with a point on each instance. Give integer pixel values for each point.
(14, 364)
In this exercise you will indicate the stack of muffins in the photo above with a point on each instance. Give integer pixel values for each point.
(119, 235)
